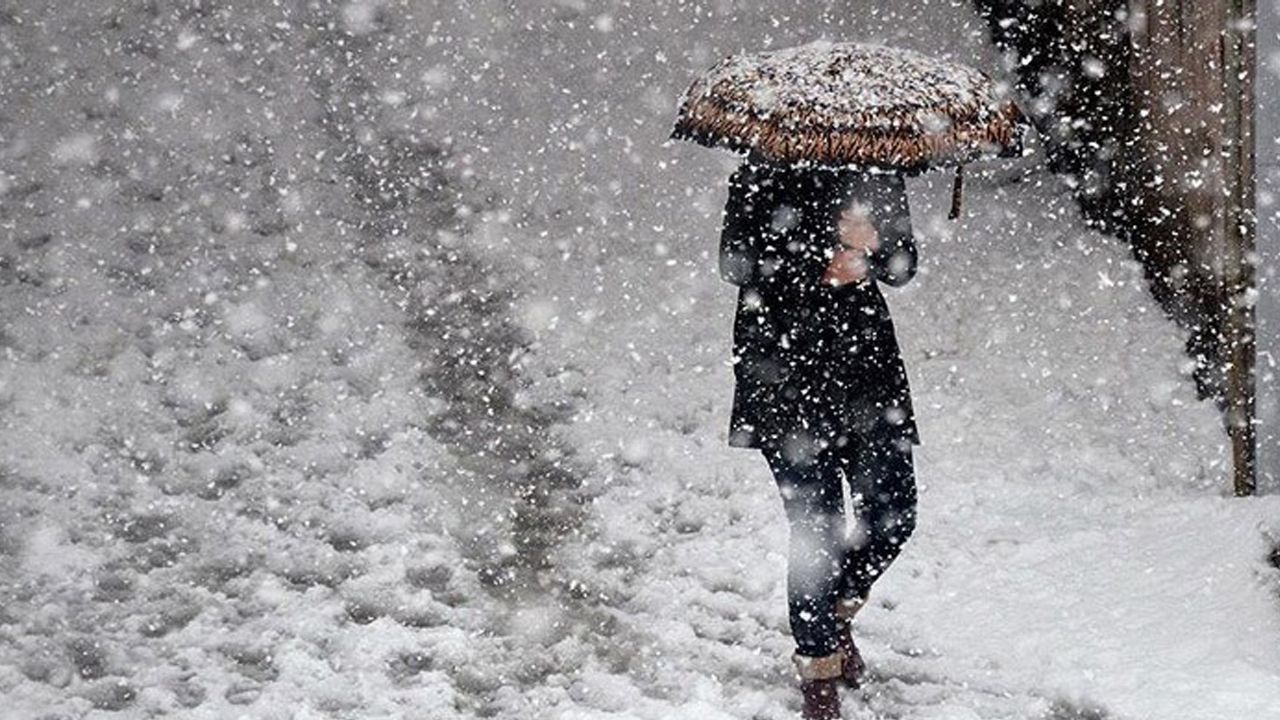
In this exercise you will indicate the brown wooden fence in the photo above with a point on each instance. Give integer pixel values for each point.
(1148, 105)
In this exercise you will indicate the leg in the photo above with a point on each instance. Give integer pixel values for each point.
(813, 498)
(882, 480)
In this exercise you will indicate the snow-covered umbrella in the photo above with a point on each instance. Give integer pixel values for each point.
(843, 104)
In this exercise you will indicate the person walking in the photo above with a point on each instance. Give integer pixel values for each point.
(816, 220)
(821, 390)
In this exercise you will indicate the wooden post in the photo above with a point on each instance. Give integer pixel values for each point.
(1238, 276)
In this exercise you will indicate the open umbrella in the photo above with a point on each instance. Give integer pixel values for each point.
(846, 104)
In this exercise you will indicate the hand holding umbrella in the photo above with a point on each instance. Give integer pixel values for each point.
(858, 238)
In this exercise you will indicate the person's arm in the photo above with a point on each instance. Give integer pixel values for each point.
(894, 261)
(740, 236)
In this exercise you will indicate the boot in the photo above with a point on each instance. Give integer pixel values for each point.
(853, 667)
(820, 685)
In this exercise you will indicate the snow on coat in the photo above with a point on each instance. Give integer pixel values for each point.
(813, 363)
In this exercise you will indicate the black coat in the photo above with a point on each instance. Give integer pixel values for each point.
(814, 365)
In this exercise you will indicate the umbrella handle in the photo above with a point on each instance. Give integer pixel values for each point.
(956, 191)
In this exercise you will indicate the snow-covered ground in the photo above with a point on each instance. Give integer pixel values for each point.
(1076, 550)
(277, 375)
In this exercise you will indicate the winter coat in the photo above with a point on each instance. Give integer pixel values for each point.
(813, 364)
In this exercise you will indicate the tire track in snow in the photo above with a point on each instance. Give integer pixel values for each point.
(459, 309)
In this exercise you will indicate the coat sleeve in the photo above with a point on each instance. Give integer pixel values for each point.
(742, 231)
(894, 263)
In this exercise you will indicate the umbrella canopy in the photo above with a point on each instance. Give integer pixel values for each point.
(850, 104)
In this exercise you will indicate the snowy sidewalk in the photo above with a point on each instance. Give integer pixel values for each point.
(1075, 557)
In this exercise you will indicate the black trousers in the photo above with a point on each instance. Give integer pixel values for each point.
(827, 560)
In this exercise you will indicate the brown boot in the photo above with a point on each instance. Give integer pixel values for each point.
(853, 667)
(819, 685)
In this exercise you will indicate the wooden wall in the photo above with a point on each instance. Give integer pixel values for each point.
(1147, 105)
(1191, 66)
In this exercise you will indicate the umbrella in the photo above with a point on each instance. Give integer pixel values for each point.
(844, 104)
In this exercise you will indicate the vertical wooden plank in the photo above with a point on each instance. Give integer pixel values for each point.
(1178, 94)
(1180, 174)
(1192, 70)
(1240, 291)
(1267, 240)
